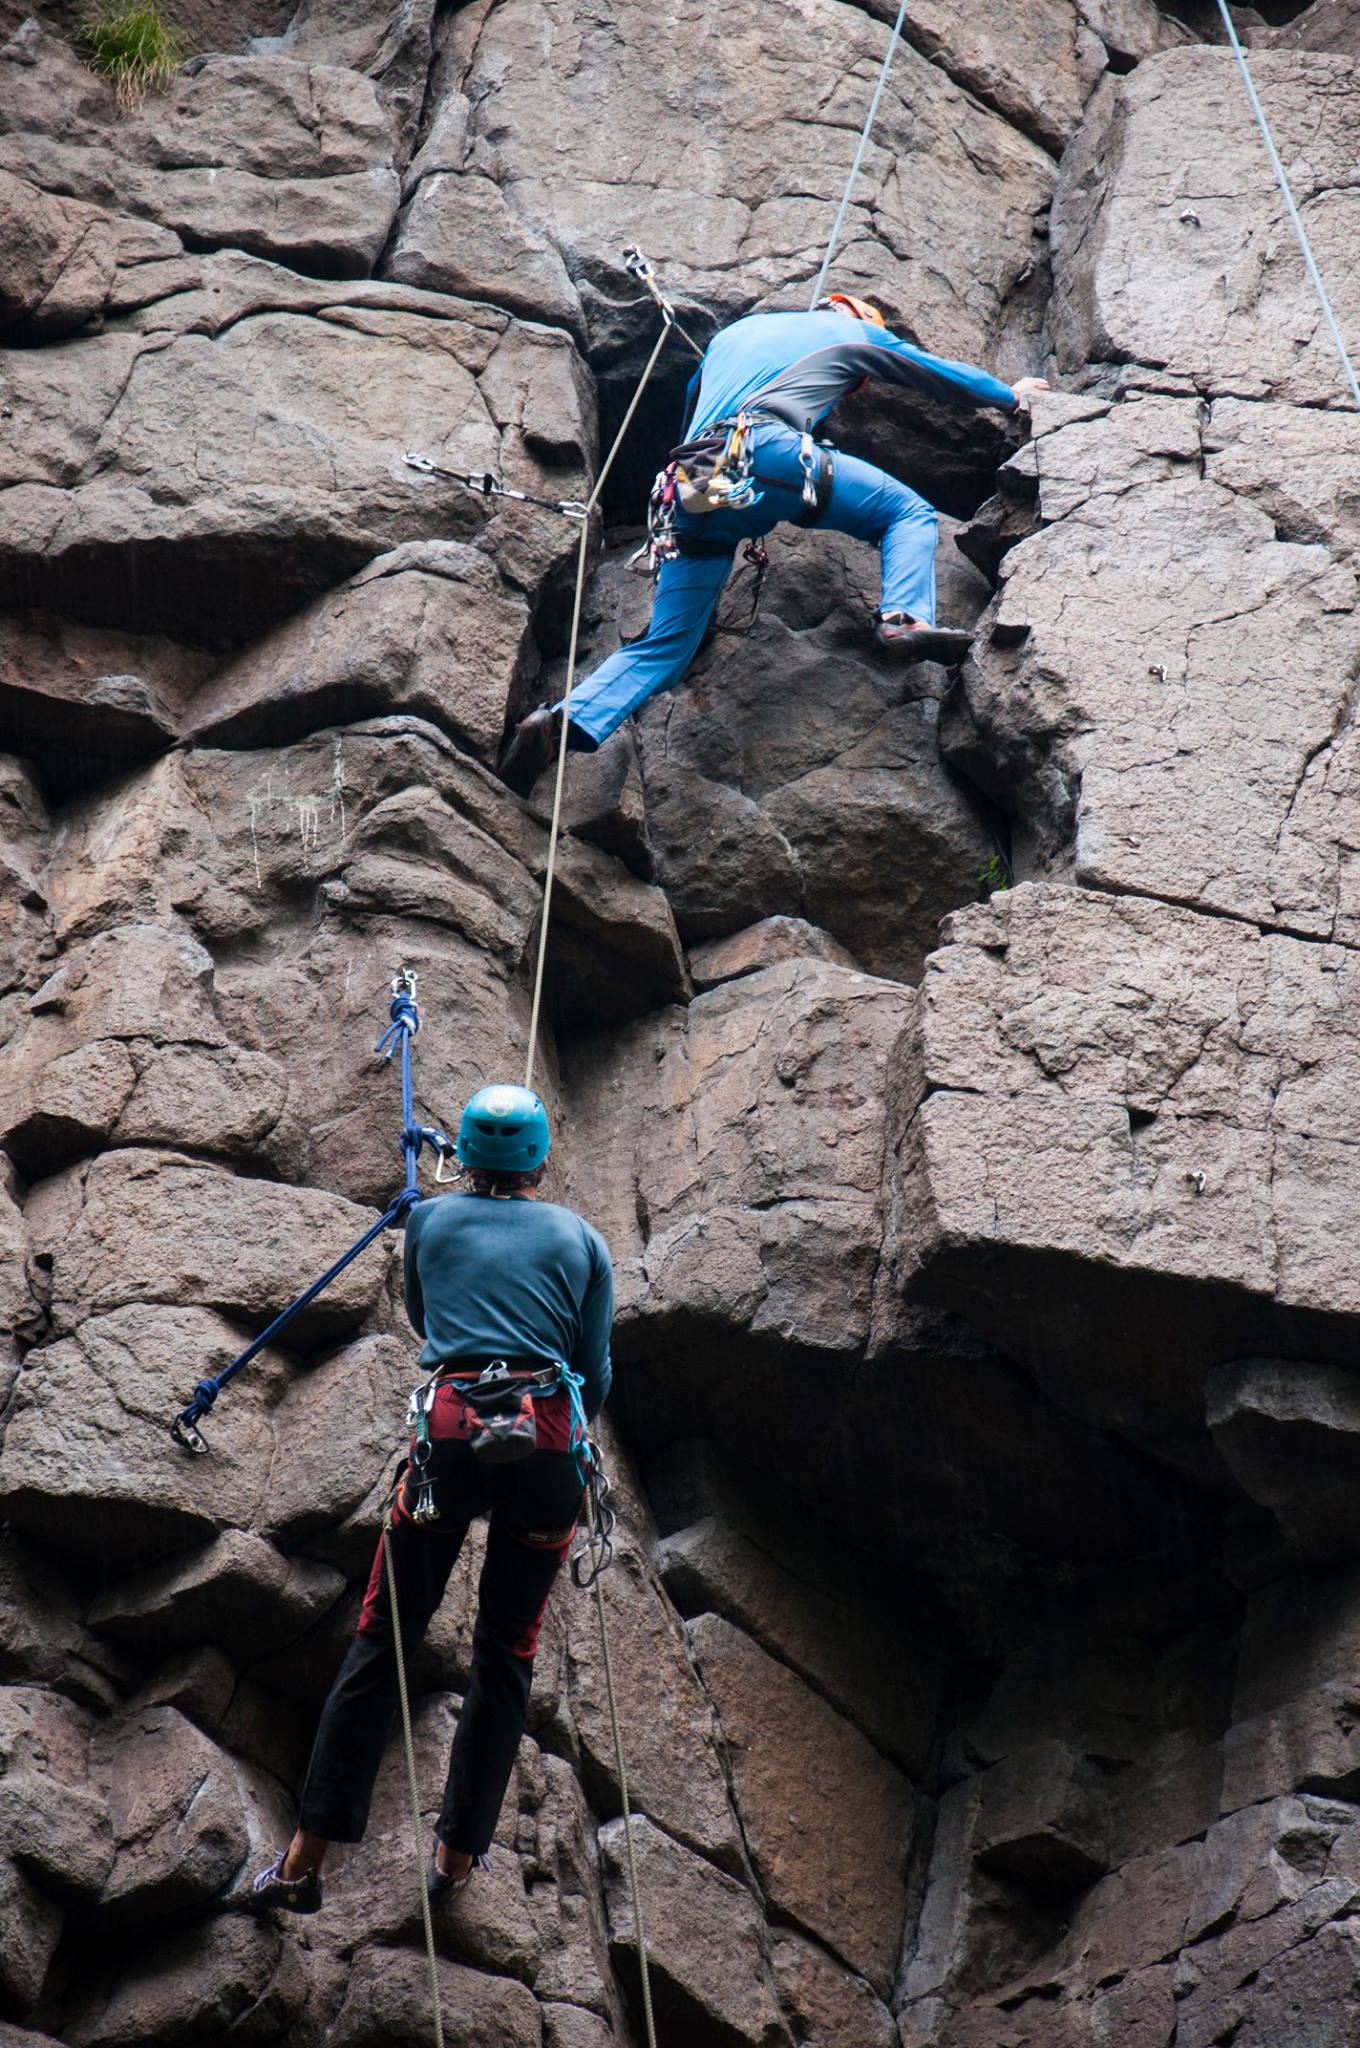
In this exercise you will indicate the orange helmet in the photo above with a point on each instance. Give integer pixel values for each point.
(861, 308)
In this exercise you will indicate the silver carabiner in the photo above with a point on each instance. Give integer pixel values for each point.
(425, 1508)
(811, 466)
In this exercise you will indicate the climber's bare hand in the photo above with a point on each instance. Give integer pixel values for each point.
(1025, 389)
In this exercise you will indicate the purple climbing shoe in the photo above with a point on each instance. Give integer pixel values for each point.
(291, 1894)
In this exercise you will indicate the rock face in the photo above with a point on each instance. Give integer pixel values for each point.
(1157, 269)
(1177, 1075)
(959, 1063)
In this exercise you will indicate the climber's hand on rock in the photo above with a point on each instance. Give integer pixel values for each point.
(1025, 390)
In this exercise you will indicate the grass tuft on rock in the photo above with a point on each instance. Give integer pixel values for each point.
(127, 42)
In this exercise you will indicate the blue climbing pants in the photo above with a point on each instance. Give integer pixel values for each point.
(865, 502)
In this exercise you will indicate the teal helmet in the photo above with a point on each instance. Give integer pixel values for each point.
(504, 1129)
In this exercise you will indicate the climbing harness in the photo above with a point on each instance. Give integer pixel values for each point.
(865, 132)
(487, 486)
(493, 1412)
(415, 1136)
(1281, 177)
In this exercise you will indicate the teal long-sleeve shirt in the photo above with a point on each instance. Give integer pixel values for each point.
(797, 365)
(487, 1278)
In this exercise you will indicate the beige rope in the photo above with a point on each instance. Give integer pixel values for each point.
(555, 827)
(554, 833)
(417, 1829)
(648, 2019)
(418, 1832)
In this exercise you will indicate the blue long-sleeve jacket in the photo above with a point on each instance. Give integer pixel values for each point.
(796, 365)
(495, 1279)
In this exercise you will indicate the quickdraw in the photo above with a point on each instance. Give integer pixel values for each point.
(487, 486)
(636, 264)
(596, 1551)
(756, 556)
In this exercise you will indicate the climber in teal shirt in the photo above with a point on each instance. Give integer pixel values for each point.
(488, 1278)
(503, 1288)
(786, 370)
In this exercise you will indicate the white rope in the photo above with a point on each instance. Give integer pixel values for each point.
(555, 826)
(1282, 179)
(648, 2018)
(865, 133)
(620, 1763)
(417, 1830)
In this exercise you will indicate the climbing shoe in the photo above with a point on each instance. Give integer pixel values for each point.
(900, 632)
(532, 749)
(440, 1885)
(292, 1894)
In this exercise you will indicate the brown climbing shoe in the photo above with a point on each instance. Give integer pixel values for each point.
(532, 749)
(907, 636)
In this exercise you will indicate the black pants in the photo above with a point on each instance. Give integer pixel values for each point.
(533, 1506)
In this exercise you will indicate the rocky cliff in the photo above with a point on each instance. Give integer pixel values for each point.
(987, 1601)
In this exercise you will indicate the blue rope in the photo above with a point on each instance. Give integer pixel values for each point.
(580, 1435)
(414, 1136)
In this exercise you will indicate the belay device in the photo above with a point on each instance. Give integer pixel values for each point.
(414, 1138)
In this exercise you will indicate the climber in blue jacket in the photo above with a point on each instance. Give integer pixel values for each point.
(785, 370)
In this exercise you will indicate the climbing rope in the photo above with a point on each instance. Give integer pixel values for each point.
(404, 1024)
(865, 133)
(588, 1569)
(414, 1137)
(668, 322)
(1282, 180)
(413, 1788)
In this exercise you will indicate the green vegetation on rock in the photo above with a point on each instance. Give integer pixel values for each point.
(128, 43)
